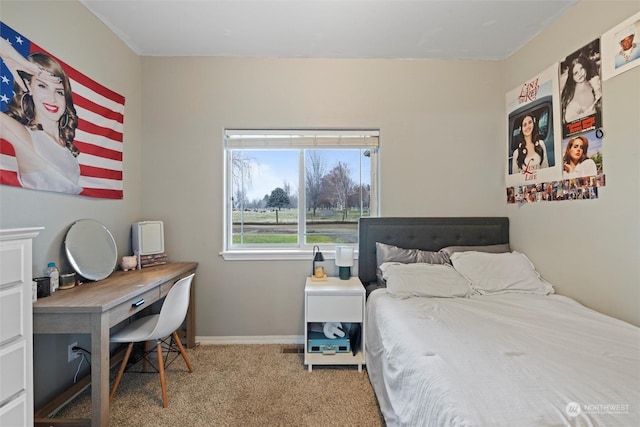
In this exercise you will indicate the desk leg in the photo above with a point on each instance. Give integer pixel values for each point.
(191, 317)
(100, 370)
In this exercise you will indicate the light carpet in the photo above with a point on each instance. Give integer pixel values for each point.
(242, 385)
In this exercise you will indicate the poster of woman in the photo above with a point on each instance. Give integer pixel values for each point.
(582, 155)
(59, 130)
(581, 90)
(532, 142)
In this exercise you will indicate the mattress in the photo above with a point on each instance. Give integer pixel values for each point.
(501, 360)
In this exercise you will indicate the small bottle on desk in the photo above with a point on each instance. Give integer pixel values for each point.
(54, 276)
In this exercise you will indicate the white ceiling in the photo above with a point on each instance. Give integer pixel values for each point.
(446, 29)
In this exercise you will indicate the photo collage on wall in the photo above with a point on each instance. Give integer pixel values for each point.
(555, 129)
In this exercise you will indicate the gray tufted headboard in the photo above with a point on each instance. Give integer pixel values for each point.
(428, 234)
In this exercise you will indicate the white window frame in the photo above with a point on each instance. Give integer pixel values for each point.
(293, 139)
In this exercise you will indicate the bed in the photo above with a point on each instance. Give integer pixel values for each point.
(496, 356)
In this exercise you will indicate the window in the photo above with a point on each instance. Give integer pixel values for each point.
(288, 190)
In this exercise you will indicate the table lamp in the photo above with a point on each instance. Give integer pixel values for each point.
(317, 273)
(344, 261)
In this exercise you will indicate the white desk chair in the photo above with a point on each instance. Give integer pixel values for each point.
(158, 327)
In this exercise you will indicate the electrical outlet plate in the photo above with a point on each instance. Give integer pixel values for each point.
(71, 354)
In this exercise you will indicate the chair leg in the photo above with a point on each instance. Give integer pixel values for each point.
(176, 338)
(144, 359)
(123, 365)
(163, 383)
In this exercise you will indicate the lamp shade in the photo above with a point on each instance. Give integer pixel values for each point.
(344, 256)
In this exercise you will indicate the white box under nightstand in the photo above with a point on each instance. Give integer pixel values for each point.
(335, 300)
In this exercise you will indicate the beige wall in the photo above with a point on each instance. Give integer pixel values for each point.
(69, 31)
(440, 125)
(589, 249)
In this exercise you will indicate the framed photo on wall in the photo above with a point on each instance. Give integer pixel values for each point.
(621, 47)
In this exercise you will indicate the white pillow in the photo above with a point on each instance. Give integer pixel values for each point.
(424, 280)
(491, 273)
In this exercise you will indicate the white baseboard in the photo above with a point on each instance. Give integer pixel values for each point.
(259, 339)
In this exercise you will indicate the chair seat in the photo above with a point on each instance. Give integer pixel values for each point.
(137, 331)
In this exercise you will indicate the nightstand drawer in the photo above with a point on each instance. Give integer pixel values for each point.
(334, 308)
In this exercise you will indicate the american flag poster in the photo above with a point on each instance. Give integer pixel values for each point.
(59, 130)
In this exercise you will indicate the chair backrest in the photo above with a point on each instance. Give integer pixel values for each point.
(174, 308)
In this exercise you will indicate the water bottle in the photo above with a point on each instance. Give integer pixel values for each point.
(54, 276)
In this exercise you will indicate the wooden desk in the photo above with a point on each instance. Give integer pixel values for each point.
(97, 306)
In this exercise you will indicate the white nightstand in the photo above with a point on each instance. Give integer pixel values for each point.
(335, 300)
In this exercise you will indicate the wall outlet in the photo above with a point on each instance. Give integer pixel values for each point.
(72, 354)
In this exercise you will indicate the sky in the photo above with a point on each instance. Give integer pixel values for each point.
(270, 170)
(273, 167)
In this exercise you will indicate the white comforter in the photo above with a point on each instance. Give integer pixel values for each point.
(502, 360)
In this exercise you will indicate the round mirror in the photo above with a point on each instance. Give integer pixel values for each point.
(91, 249)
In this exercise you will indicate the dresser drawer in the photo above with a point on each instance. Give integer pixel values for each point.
(13, 369)
(334, 308)
(11, 313)
(133, 306)
(14, 413)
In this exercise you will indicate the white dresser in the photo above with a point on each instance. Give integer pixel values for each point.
(16, 336)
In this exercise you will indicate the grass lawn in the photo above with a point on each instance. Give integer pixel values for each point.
(259, 227)
(290, 216)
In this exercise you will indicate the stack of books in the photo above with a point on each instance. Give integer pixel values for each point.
(153, 259)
